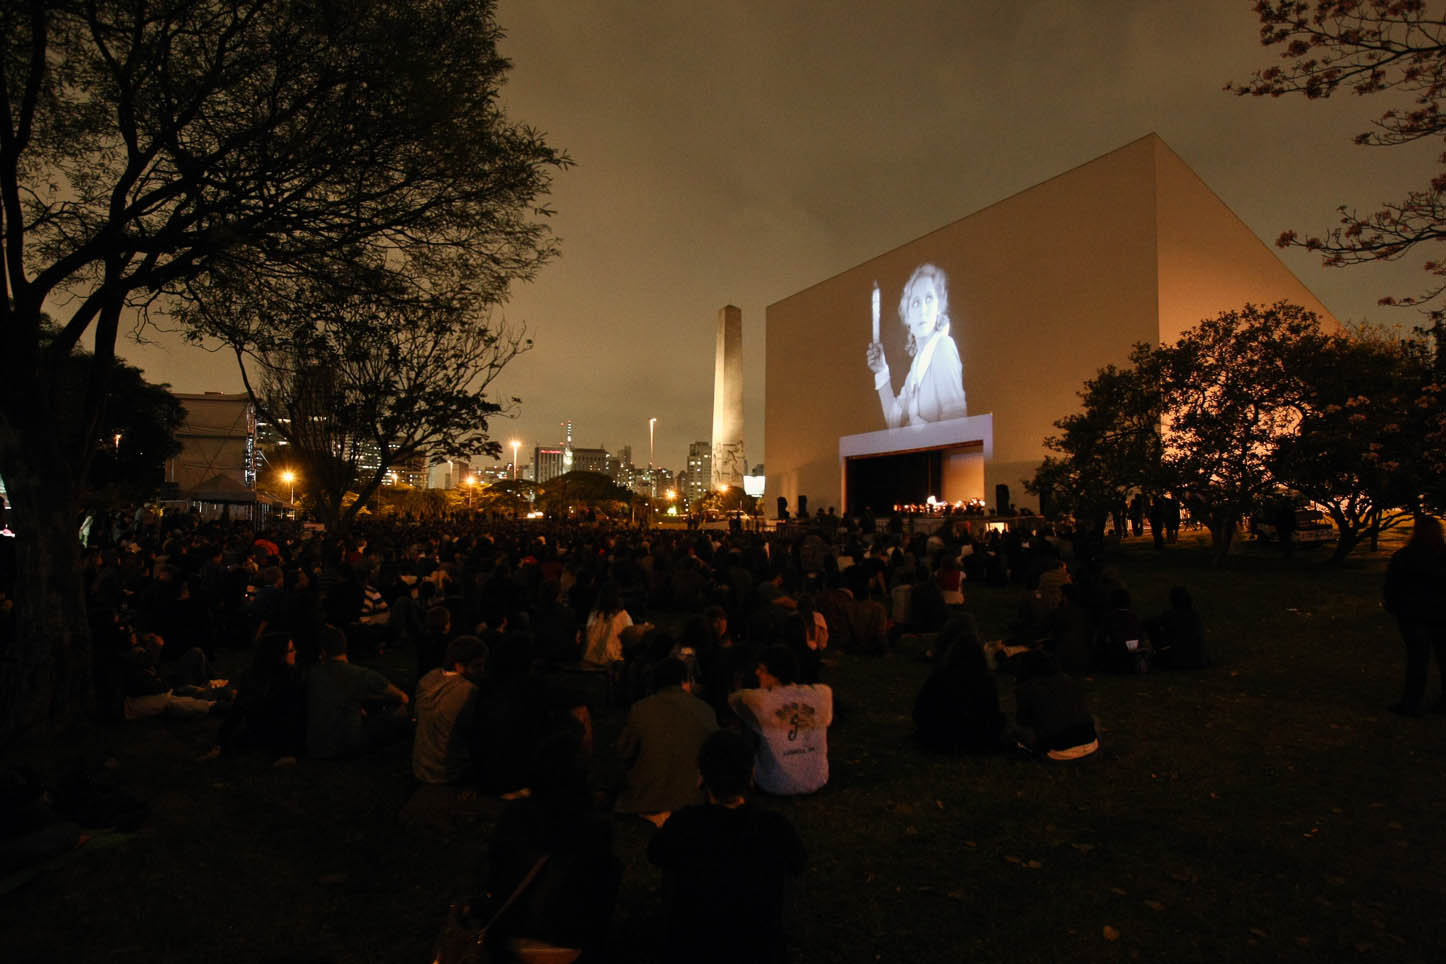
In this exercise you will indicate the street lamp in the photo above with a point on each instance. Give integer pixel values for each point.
(515, 445)
(289, 477)
(471, 481)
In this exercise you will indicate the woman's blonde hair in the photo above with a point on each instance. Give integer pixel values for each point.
(925, 271)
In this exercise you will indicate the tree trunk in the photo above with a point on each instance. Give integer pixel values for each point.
(45, 680)
(1346, 541)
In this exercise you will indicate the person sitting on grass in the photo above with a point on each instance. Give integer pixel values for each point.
(350, 710)
(791, 722)
(659, 745)
(1177, 635)
(1126, 647)
(957, 709)
(563, 913)
(270, 711)
(442, 748)
(188, 693)
(603, 634)
(726, 865)
(1051, 710)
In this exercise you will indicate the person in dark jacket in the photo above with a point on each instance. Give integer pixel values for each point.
(1053, 713)
(726, 866)
(958, 707)
(1415, 586)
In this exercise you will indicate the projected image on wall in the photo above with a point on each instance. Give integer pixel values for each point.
(933, 389)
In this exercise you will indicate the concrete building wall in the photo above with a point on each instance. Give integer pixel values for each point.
(1044, 289)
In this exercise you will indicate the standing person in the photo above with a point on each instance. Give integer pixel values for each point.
(1415, 586)
(725, 866)
(791, 722)
(934, 388)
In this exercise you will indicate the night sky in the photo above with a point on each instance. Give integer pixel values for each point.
(737, 152)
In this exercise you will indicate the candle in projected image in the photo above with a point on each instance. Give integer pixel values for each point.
(876, 311)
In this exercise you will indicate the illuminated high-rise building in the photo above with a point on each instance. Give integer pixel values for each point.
(700, 471)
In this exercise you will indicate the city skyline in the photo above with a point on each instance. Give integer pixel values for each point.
(741, 154)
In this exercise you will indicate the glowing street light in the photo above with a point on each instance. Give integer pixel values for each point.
(515, 445)
(289, 477)
(471, 482)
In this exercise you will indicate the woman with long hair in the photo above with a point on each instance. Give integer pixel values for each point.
(603, 634)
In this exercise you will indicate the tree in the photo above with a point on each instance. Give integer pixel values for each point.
(132, 437)
(1358, 449)
(1110, 448)
(512, 497)
(1368, 47)
(360, 383)
(136, 434)
(151, 150)
(1234, 393)
(559, 495)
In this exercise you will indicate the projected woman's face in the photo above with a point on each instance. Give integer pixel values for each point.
(923, 309)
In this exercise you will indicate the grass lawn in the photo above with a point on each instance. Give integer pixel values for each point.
(1265, 809)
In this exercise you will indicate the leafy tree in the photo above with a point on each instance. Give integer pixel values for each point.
(1234, 394)
(359, 384)
(1396, 47)
(137, 433)
(124, 456)
(150, 152)
(1357, 450)
(591, 489)
(1110, 448)
(508, 496)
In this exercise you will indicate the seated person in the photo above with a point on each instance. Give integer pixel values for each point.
(445, 707)
(1073, 631)
(725, 866)
(1051, 709)
(270, 711)
(1126, 647)
(432, 646)
(659, 745)
(350, 709)
(791, 722)
(950, 581)
(148, 694)
(958, 707)
(569, 902)
(1177, 635)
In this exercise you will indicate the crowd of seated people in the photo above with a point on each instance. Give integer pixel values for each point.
(509, 625)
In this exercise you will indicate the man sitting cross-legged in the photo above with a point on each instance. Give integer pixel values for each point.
(660, 745)
(791, 721)
(349, 709)
(446, 714)
(725, 866)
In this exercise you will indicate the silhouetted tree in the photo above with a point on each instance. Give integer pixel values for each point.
(151, 152)
(1369, 47)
